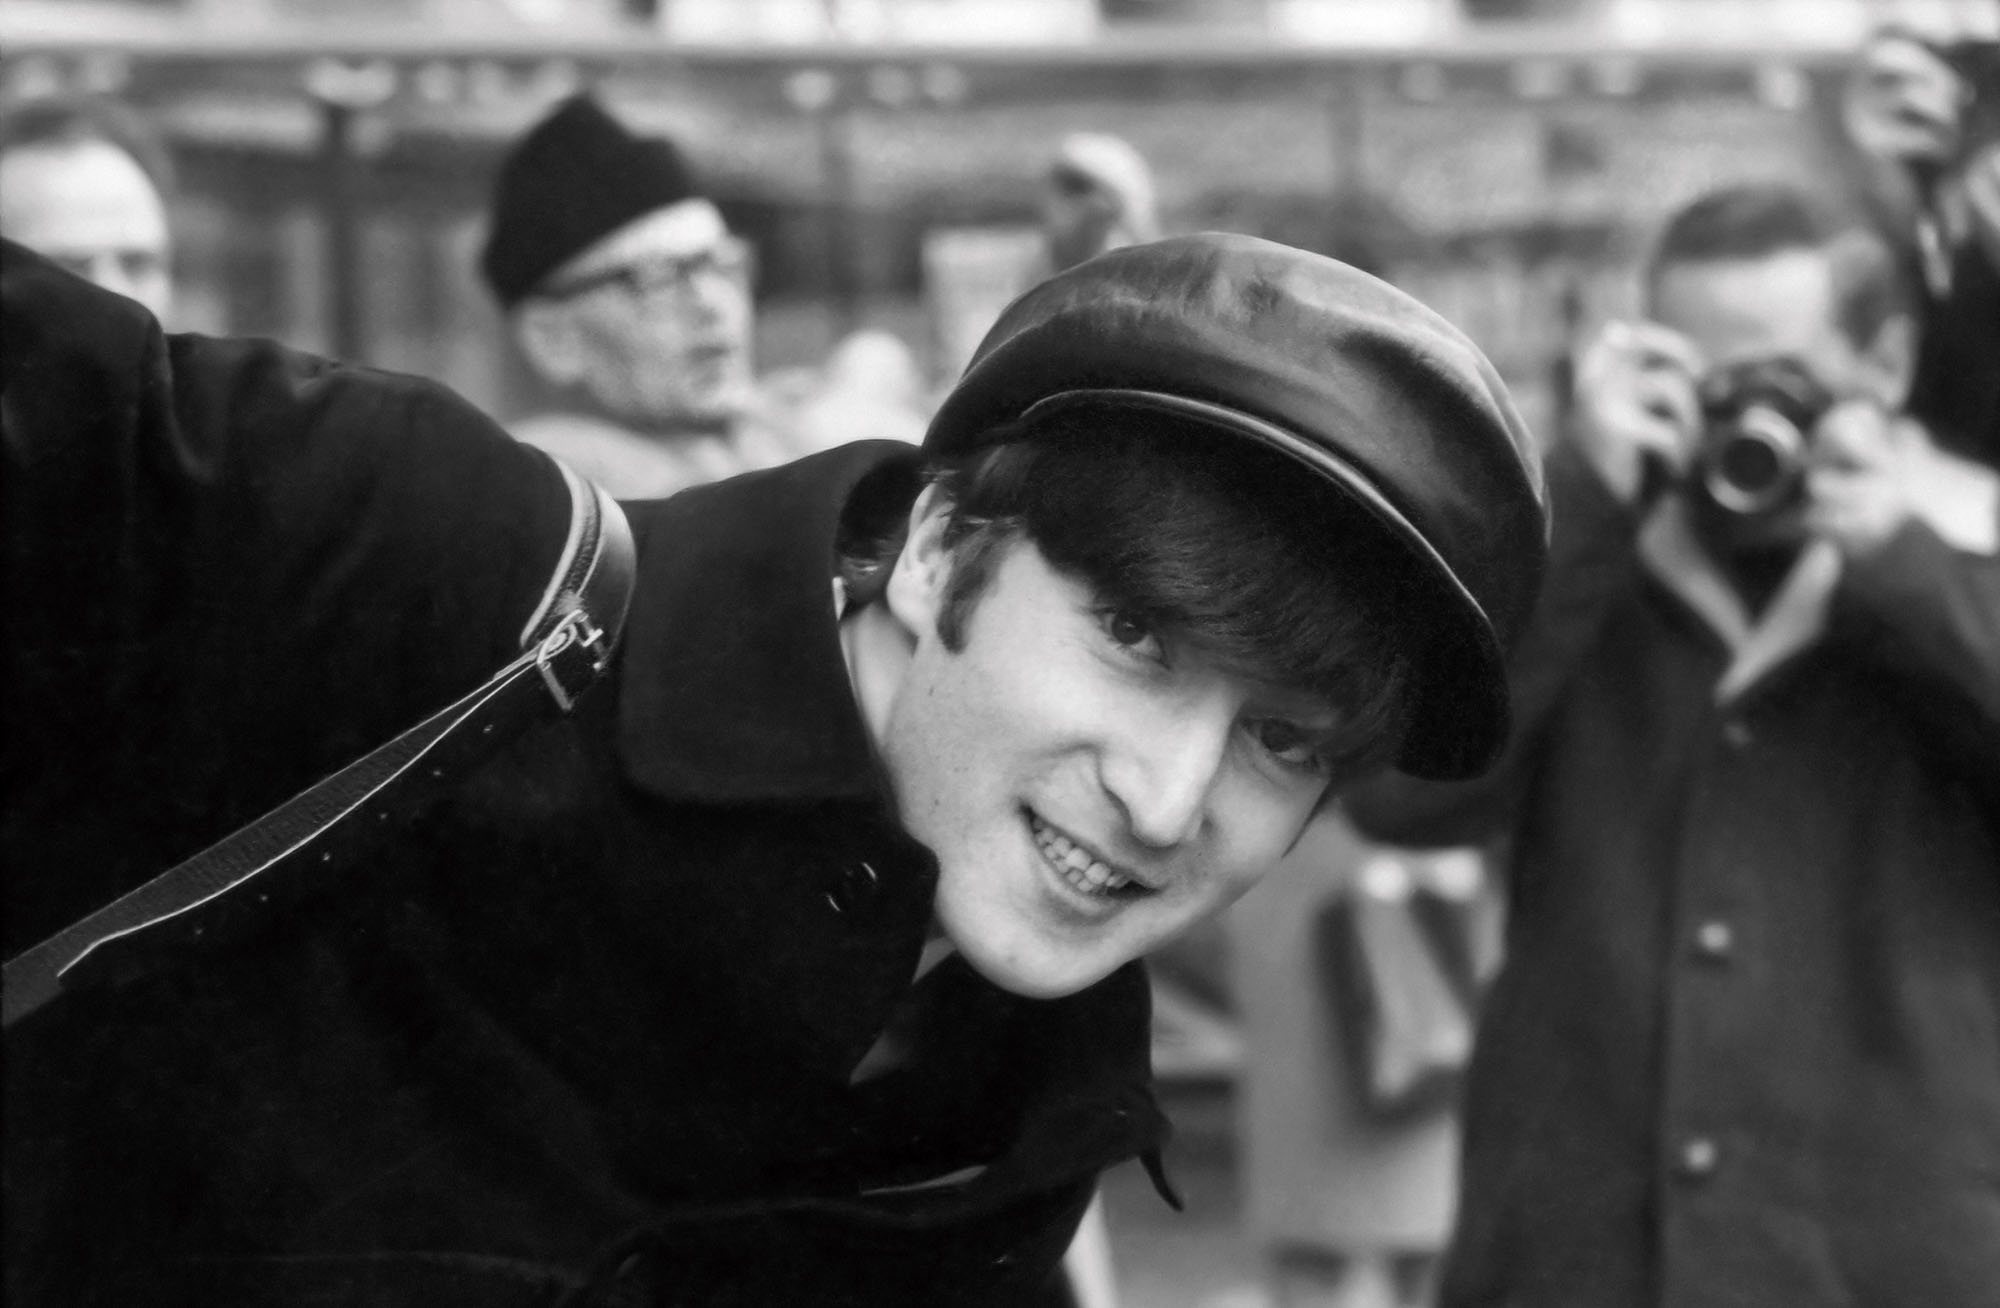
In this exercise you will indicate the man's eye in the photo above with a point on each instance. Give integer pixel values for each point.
(1125, 628)
(1288, 743)
(1130, 631)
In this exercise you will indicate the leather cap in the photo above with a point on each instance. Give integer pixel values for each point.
(1366, 388)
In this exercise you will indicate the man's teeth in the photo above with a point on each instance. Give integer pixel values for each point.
(1077, 866)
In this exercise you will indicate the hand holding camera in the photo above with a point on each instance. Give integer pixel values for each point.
(1772, 440)
(1862, 484)
(1756, 439)
(1637, 417)
(1873, 470)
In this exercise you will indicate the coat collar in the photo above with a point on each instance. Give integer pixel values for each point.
(733, 687)
(1795, 618)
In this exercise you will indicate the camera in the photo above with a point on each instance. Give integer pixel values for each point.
(1757, 423)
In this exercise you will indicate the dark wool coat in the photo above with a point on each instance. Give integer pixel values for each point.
(585, 1030)
(1956, 391)
(1745, 1048)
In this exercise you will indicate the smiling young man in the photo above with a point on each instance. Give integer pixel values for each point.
(1142, 658)
(798, 966)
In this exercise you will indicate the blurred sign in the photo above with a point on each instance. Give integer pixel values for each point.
(940, 21)
(1362, 22)
(970, 275)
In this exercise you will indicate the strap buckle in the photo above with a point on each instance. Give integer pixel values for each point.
(574, 634)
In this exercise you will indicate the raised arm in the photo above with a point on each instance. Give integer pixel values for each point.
(233, 568)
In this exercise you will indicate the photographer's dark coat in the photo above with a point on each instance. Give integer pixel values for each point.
(588, 1029)
(1745, 1049)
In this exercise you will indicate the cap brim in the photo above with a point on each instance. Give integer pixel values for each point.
(1460, 716)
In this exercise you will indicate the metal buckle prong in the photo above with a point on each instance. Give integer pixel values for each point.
(575, 629)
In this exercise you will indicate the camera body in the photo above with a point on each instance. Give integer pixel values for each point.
(1757, 424)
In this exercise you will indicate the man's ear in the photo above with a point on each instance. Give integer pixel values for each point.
(548, 337)
(917, 580)
(1889, 363)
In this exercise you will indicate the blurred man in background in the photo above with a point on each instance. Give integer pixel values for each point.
(629, 298)
(1745, 1048)
(1925, 105)
(84, 182)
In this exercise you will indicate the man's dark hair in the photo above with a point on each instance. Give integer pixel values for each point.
(1757, 220)
(1217, 544)
(61, 120)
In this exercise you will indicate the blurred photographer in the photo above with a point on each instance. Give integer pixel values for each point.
(1924, 108)
(1745, 1048)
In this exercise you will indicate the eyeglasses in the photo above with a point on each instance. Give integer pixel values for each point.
(666, 276)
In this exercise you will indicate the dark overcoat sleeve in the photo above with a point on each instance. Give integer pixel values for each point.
(1927, 616)
(229, 569)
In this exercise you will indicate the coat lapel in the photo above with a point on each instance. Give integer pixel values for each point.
(733, 687)
(1793, 621)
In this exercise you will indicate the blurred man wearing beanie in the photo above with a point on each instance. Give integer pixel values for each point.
(799, 965)
(629, 298)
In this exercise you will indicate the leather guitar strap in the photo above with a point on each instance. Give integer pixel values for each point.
(308, 841)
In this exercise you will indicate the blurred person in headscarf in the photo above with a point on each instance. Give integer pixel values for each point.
(1099, 196)
(84, 182)
(629, 297)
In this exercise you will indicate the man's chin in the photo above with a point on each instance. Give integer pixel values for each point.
(1764, 538)
(1038, 984)
(716, 414)
(721, 404)
(1729, 534)
(1042, 976)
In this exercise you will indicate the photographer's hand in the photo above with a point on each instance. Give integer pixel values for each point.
(1904, 102)
(1858, 490)
(1635, 406)
(1873, 471)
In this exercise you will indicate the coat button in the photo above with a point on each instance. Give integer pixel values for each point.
(1697, 1158)
(1736, 733)
(1714, 940)
(853, 887)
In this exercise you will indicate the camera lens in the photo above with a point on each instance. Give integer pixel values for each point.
(1752, 464)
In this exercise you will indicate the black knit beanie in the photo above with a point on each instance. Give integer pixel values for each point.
(578, 176)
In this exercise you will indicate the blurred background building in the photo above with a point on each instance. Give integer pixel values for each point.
(1499, 158)
(1495, 156)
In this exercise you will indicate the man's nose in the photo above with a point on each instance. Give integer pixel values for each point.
(1162, 772)
(713, 294)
